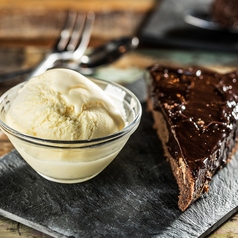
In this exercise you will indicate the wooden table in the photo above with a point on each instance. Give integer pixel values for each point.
(138, 60)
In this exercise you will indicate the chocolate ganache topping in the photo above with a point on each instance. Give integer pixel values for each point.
(201, 109)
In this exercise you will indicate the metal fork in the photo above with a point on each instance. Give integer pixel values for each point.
(72, 43)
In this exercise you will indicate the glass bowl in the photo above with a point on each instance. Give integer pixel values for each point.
(74, 161)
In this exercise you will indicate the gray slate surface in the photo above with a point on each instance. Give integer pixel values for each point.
(135, 196)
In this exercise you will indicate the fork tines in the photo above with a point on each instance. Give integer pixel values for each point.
(76, 32)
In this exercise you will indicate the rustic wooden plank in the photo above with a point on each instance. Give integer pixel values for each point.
(30, 19)
(85, 5)
(229, 229)
(12, 229)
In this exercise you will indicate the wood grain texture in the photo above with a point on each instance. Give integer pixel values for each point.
(47, 24)
(33, 19)
(12, 229)
(82, 5)
(228, 230)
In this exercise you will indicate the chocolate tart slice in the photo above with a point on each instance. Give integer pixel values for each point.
(225, 13)
(195, 114)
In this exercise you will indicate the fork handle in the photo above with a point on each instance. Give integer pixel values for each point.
(47, 63)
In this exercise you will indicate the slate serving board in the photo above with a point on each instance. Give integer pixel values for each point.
(135, 196)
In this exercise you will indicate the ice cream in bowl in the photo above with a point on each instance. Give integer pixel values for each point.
(67, 127)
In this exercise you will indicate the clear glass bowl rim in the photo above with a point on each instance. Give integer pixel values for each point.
(85, 143)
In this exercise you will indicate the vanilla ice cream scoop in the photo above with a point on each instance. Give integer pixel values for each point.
(62, 104)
